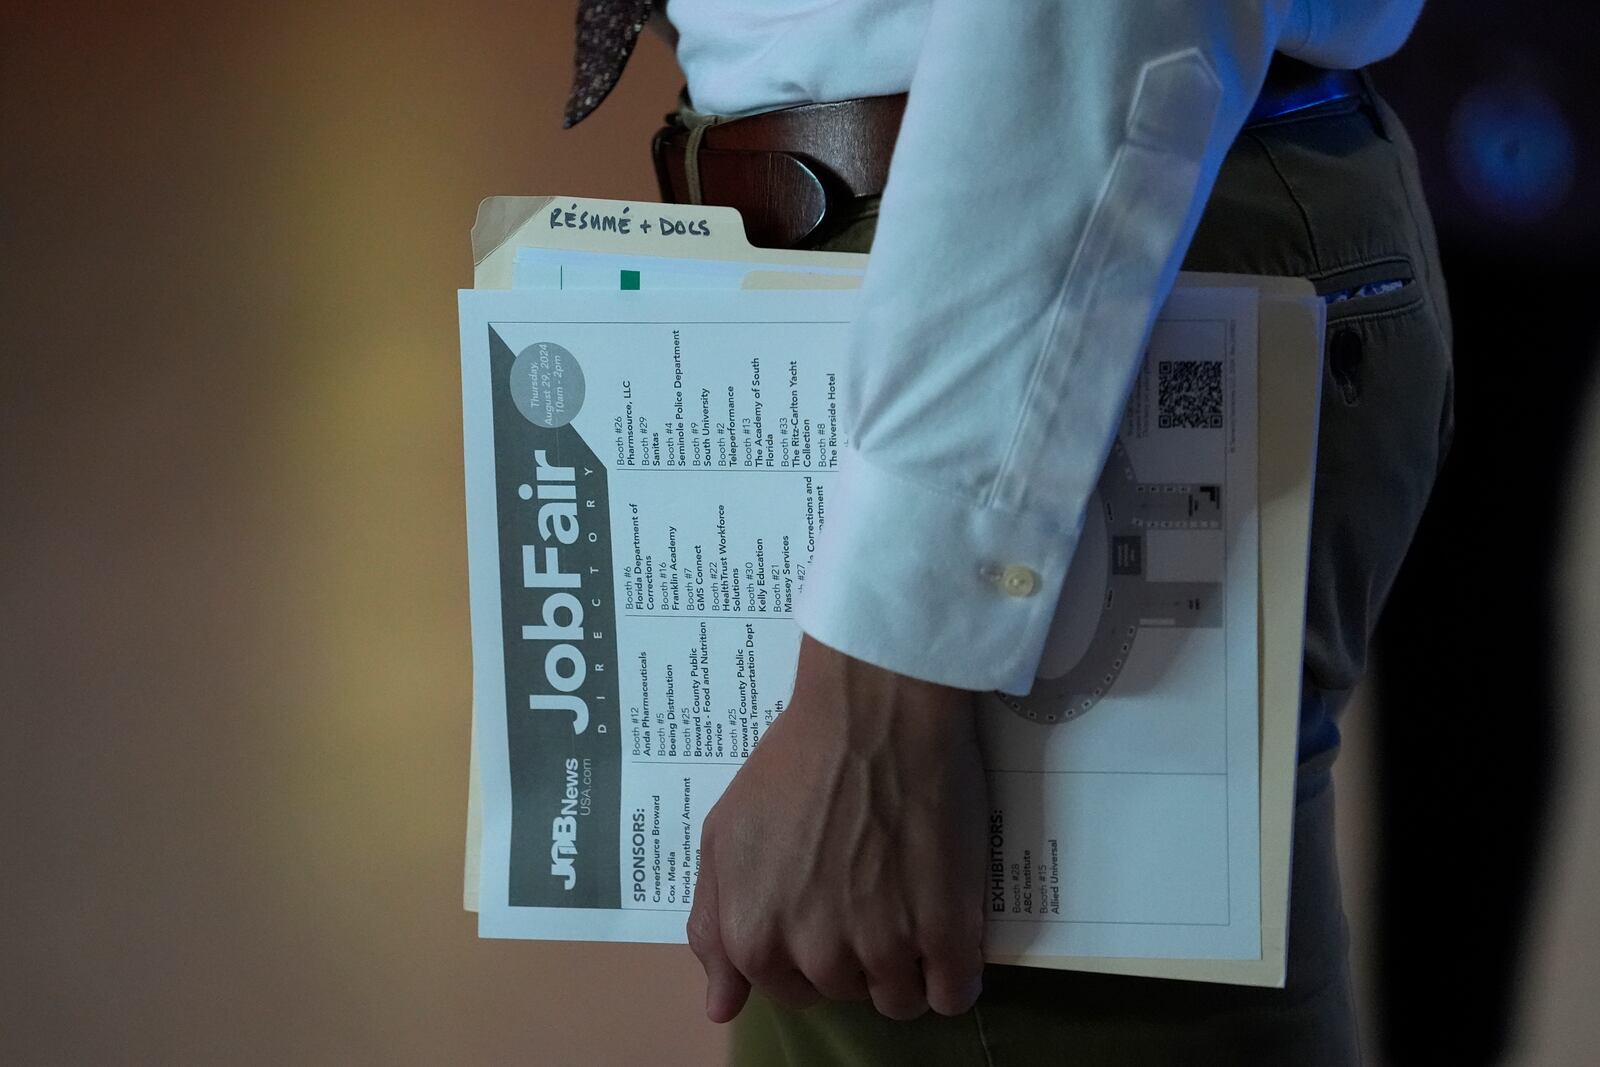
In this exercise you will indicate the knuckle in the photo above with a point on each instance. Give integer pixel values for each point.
(885, 956)
(702, 937)
(711, 825)
(758, 959)
(952, 922)
(952, 941)
(952, 944)
(940, 942)
(835, 974)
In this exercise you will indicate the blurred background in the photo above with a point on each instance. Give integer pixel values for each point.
(234, 670)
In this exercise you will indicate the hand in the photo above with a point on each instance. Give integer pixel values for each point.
(845, 859)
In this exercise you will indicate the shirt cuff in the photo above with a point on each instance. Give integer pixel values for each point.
(916, 580)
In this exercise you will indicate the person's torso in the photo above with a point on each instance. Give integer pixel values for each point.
(741, 56)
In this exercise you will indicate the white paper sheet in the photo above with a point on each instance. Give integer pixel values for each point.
(1156, 843)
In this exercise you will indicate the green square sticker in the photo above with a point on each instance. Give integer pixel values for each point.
(630, 279)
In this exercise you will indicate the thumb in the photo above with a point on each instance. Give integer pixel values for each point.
(726, 989)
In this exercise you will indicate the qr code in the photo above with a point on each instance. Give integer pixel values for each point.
(1189, 394)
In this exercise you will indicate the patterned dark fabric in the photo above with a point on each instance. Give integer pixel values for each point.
(607, 32)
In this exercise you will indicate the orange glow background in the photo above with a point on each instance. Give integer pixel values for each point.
(234, 658)
(235, 670)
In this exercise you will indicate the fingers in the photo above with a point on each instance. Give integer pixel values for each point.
(726, 992)
(785, 985)
(894, 980)
(726, 989)
(944, 972)
(952, 963)
(731, 970)
(948, 978)
(953, 988)
(835, 973)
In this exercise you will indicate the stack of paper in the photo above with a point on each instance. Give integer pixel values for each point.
(652, 432)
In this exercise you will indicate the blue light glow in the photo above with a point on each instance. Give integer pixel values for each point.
(1513, 151)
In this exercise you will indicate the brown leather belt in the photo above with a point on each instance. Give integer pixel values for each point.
(785, 170)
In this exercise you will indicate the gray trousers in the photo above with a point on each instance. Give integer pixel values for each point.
(1331, 196)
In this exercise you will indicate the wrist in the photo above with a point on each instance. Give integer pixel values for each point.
(900, 707)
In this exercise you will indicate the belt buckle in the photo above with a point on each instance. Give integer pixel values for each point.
(783, 197)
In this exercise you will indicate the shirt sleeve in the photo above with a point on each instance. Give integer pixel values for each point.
(1051, 169)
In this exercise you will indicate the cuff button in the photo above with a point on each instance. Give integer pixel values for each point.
(1019, 581)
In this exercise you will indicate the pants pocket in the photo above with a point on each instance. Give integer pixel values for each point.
(1386, 380)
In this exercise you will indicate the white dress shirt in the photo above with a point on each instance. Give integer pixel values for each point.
(1050, 172)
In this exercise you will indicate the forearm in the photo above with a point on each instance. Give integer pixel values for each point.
(1033, 224)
